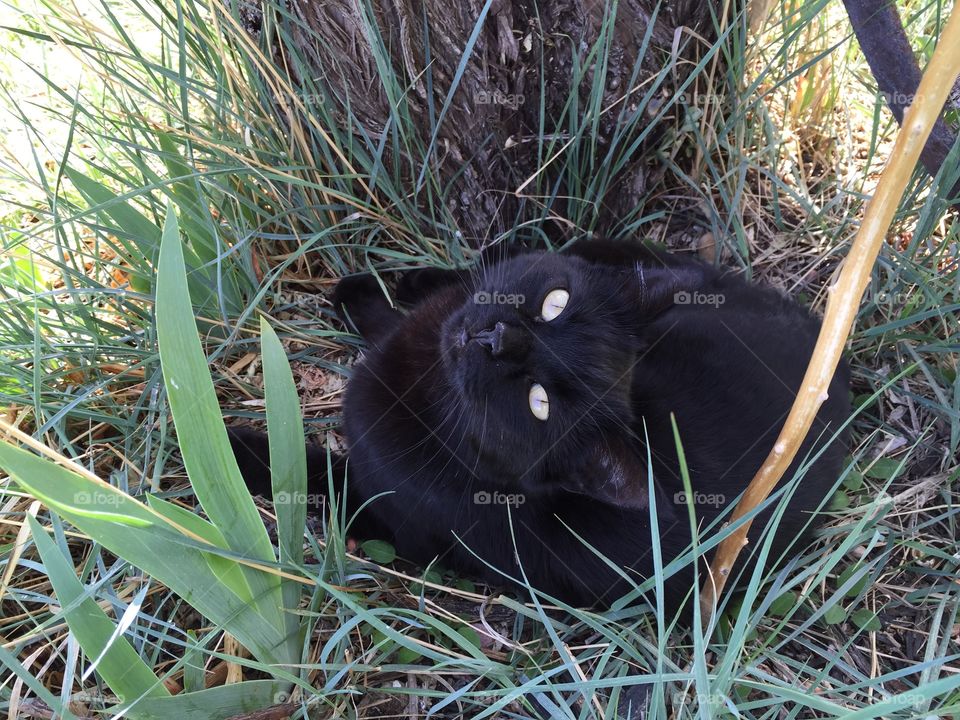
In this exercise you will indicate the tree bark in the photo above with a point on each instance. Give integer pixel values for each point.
(521, 64)
(884, 43)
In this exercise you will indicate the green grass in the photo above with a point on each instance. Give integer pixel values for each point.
(772, 151)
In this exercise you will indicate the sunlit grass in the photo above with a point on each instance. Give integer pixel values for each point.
(769, 151)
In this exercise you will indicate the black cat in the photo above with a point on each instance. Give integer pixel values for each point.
(506, 418)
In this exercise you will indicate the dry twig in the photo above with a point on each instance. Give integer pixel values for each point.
(844, 299)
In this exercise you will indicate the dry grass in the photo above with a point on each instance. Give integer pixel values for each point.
(775, 184)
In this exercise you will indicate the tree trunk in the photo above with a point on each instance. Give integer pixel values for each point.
(515, 88)
(884, 43)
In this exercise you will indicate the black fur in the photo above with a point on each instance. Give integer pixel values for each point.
(436, 413)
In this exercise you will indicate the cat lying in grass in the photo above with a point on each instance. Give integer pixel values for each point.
(506, 419)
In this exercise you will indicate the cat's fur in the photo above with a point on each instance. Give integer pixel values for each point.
(436, 414)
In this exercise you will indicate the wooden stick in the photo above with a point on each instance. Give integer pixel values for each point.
(843, 298)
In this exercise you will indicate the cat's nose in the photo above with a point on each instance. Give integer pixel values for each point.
(503, 340)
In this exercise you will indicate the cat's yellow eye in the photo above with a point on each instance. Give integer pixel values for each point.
(539, 402)
(554, 303)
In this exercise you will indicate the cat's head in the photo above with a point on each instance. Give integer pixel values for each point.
(540, 358)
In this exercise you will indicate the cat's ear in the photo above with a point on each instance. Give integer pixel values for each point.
(654, 289)
(361, 304)
(659, 288)
(417, 284)
(613, 471)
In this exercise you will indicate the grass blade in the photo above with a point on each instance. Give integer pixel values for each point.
(118, 663)
(207, 455)
(288, 460)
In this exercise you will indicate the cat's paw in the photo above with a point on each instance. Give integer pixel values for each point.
(252, 452)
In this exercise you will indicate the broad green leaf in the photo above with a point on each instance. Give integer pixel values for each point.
(119, 665)
(783, 604)
(853, 481)
(392, 652)
(465, 585)
(226, 570)
(104, 516)
(195, 216)
(384, 549)
(139, 227)
(866, 619)
(407, 656)
(187, 520)
(470, 635)
(199, 229)
(158, 549)
(66, 491)
(839, 501)
(381, 552)
(859, 585)
(834, 615)
(194, 672)
(288, 461)
(883, 469)
(206, 450)
(142, 231)
(225, 701)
